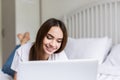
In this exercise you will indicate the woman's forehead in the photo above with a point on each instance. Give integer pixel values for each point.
(56, 32)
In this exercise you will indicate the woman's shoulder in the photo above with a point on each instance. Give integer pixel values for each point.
(28, 44)
(24, 48)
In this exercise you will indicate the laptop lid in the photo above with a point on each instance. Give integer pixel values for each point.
(85, 69)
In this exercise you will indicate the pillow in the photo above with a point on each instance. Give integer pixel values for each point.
(114, 56)
(85, 48)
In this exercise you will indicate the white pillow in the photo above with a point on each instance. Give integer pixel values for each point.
(96, 48)
(114, 56)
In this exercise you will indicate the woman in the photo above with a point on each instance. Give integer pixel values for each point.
(49, 44)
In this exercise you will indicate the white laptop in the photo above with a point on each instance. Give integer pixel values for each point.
(85, 69)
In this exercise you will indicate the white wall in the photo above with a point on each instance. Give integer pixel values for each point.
(27, 17)
(18, 16)
(57, 8)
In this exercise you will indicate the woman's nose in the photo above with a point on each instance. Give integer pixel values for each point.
(53, 43)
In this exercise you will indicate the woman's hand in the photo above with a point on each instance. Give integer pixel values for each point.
(15, 76)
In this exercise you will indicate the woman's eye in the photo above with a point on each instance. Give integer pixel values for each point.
(49, 37)
(59, 41)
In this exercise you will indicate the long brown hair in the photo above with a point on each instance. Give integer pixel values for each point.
(36, 50)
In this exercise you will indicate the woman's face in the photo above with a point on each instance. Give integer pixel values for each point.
(52, 41)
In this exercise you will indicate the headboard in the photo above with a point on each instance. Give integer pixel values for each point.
(99, 19)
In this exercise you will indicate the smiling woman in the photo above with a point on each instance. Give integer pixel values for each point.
(50, 41)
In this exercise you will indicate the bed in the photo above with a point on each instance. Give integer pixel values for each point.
(94, 33)
(97, 19)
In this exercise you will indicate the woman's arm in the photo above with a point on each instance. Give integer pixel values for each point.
(15, 76)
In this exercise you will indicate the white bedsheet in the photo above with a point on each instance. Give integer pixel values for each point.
(107, 72)
(110, 69)
(4, 76)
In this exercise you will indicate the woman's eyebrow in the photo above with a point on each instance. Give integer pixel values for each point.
(50, 35)
(53, 36)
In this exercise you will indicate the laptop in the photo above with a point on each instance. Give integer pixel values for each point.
(84, 69)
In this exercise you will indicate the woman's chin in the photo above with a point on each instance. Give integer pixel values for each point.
(49, 52)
